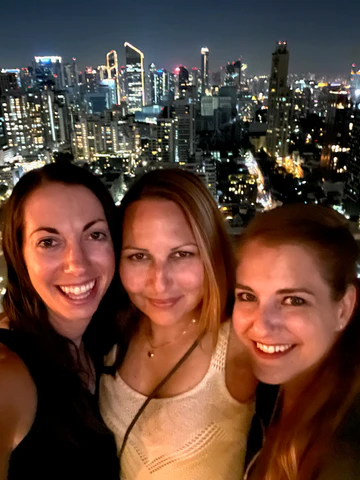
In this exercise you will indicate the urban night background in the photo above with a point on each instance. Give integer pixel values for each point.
(261, 98)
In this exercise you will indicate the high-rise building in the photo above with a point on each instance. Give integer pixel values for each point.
(204, 70)
(113, 72)
(29, 121)
(165, 140)
(135, 78)
(48, 72)
(354, 82)
(279, 104)
(335, 150)
(352, 187)
(183, 80)
(184, 115)
(150, 88)
(8, 81)
(91, 80)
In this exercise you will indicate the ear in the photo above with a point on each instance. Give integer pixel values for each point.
(346, 307)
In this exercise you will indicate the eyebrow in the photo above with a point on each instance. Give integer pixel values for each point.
(129, 247)
(282, 291)
(56, 232)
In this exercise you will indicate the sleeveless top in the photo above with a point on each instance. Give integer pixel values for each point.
(198, 435)
(48, 452)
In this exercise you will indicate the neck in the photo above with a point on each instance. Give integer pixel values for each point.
(160, 334)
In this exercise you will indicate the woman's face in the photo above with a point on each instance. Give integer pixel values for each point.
(68, 253)
(160, 265)
(284, 312)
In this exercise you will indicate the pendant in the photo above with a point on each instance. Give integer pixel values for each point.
(150, 354)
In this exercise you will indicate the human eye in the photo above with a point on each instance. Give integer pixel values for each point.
(182, 254)
(245, 297)
(98, 236)
(294, 301)
(46, 243)
(137, 257)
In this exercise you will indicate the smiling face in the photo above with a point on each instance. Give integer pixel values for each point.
(68, 253)
(160, 265)
(284, 312)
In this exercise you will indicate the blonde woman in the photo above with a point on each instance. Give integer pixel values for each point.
(177, 269)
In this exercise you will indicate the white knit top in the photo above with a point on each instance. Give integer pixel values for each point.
(197, 435)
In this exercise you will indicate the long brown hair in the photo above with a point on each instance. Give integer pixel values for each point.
(25, 309)
(190, 194)
(296, 444)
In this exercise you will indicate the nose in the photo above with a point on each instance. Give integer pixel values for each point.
(75, 260)
(160, 277)
(266, 321)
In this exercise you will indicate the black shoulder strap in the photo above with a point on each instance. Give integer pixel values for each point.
(155, 391)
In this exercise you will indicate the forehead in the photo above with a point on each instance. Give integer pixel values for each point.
(56, 202)
(155, 217)
(282, 266)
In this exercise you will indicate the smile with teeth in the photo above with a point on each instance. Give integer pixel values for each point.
(273, 348)
(78, 292)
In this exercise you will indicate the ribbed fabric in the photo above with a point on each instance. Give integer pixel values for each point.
(198, 435)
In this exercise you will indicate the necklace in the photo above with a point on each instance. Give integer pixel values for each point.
(151, 351)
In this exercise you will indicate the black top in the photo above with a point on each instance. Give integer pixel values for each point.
(60, 445)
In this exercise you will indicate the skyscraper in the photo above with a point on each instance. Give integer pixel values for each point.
(113, 72)
(279, 103)
(183, 80)
(48, 72)
(204, 69)
(135, 78)
(184, 114)
(352, 187)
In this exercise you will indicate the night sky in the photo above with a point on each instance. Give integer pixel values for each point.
(322, 35)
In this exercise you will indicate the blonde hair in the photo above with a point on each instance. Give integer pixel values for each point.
(216, 251)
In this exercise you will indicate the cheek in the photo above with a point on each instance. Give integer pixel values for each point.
(132, 277)
(190, 274)
(240, 320)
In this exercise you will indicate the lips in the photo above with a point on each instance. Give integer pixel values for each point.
(78, 292)
(163, 303)
(272, 351)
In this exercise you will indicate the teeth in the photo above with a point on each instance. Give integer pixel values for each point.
(273, 348)
(79, 290)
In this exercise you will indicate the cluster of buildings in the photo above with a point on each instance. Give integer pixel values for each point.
(128, 116)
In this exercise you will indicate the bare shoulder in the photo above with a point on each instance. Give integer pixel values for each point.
(4, 321)
(18, 400)
(240, 379)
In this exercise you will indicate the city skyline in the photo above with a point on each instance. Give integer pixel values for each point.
(319, 39)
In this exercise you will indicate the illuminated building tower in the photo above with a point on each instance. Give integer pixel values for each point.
(8, 81)
(352, 187)
(91, 80)
(165, 140)
(135, 78)
(150, 85)
(49, 72)
(183, 80)
(204, 70)
(113, 72)
(29, 121)
(279, 104)
(335, 151)
(184, 115)
(233, 75)
(354, 82)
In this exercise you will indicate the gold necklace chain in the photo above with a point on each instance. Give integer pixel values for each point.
(151, 352)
